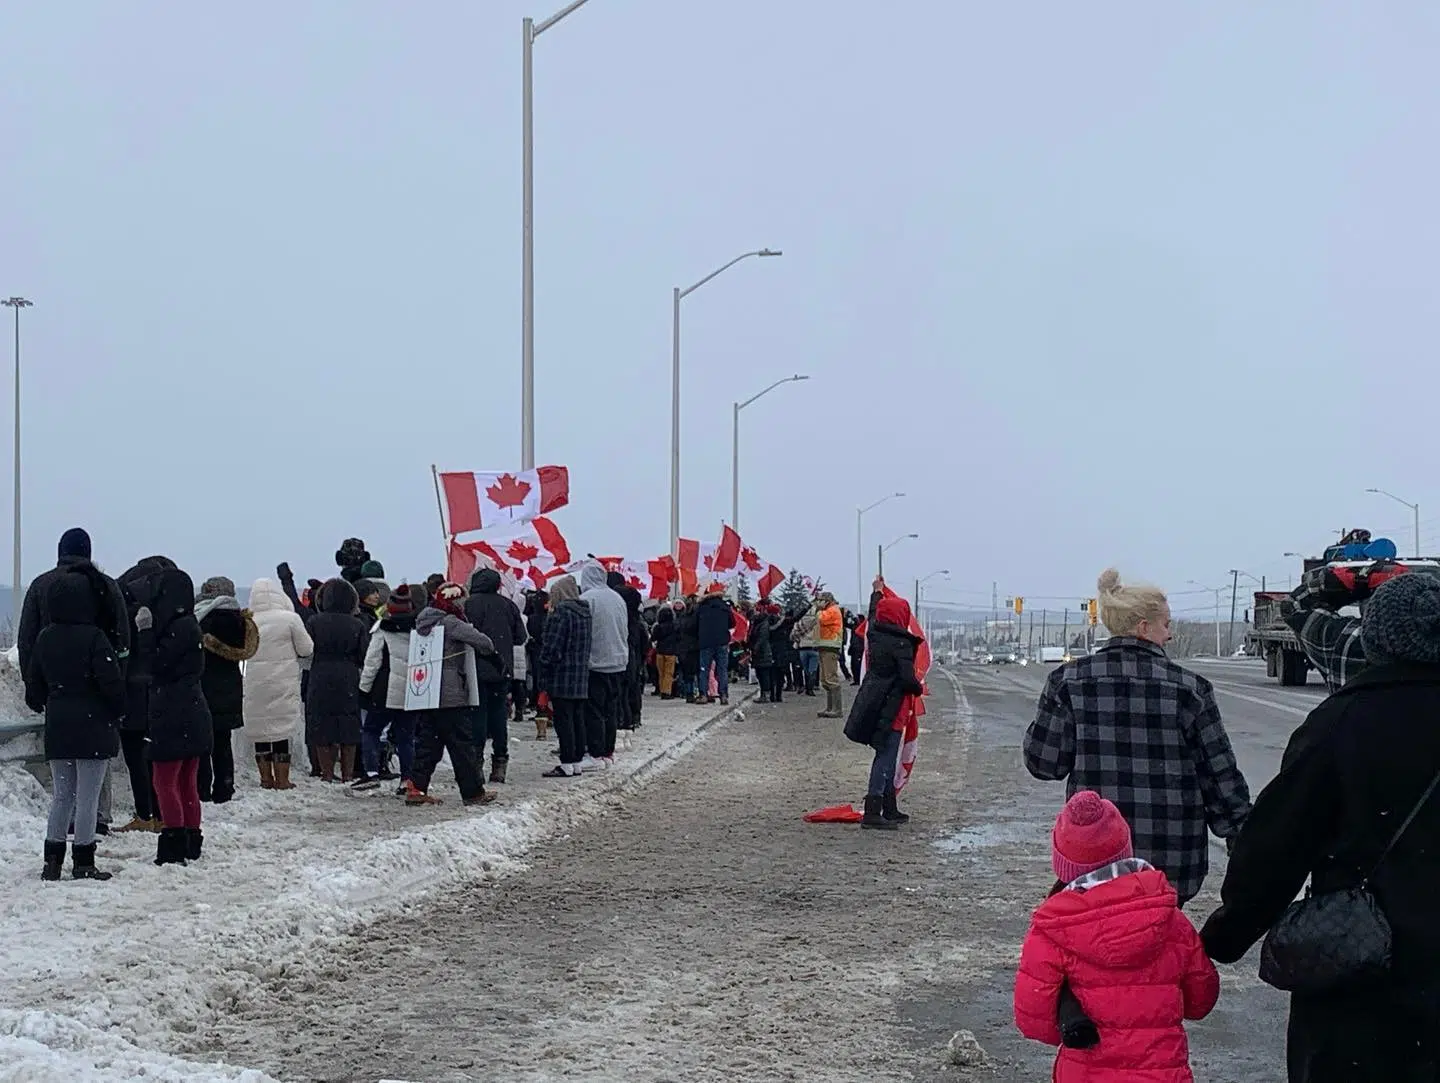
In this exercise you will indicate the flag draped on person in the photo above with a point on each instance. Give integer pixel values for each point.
(912, 708)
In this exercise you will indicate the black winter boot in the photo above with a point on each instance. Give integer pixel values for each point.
(498, 764)
(874, 818)
(82, 865)
(170, 846)
(890, 810)
(54, 860)
(194, 842)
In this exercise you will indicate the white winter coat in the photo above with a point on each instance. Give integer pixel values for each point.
(273, 711)
(520, 664)
(397, 646)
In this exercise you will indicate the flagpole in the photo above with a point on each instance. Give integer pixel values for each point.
(440, 507)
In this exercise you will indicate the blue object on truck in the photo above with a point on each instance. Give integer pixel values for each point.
(1379, 549)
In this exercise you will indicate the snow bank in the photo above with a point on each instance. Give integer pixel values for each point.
(102, 973)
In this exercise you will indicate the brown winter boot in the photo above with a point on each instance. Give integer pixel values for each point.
(267, 772)
(542, 728)
(347, 763)
(325, 757)
(282, 772)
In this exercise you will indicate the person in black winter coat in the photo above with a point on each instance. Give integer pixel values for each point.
(890, 678)
(856, 626)
(537, 611)
(782, 651)
(688, 622)
(74, 677)
(110, 614)
(762, 651)
(229, 637)
(632, 701)
(1351, 774)
(564, 672)
(181, 731)
(137, 588)
(667, 651)
(332, 703)
(714, 621)
(496, 616)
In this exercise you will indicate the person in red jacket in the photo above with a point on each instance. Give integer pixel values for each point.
(1111, 929)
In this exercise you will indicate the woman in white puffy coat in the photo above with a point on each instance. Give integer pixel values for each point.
(274, 715)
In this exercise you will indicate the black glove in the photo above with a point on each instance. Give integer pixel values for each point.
(1077, 1030)
(284, 572)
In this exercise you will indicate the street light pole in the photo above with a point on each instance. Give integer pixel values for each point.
(735, 447)
(16, 586)
(883, 549)
(529, 31)
(861, 598)
(1202, 586)
(921, 582)
(676, 297)
(1413, 507)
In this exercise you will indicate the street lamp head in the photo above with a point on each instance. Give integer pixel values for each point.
(912, 535)
(16, 302)
(770, 252)
(797, 377)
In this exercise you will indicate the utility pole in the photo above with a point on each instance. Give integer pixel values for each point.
(1065, 632)
(994, 604)
(16, 586)
(1043, 621)
(1234, 588)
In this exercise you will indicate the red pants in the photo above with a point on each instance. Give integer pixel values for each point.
(176, 789)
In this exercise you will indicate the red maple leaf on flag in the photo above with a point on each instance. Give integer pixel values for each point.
(750, 559)
(522, 552)
(508, 491)
(709, 562)
(634, 581)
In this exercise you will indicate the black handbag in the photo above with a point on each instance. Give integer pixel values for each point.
(1337, 938)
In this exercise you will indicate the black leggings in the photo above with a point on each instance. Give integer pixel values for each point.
(137, 764)
(279, 751)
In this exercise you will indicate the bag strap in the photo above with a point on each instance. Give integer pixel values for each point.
(1424, 798)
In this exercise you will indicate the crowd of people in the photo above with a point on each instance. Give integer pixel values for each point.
(146, 671)
(1111, 968)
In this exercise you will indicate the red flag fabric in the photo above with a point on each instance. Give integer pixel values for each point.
(652, 578)
(523, 550)
(487, 499)
(727, 550)
(834, 814)
(741, 631)
(912, 708)
(694, 561)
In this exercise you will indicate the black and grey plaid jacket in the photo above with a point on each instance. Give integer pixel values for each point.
(1135, 727)
(1330, 641)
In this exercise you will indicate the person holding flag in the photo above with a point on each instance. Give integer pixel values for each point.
(886, 711)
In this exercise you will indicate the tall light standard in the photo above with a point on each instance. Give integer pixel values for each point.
(530, 30)
(1217, 590)
(17, 303)
(679, 295)
(921, 582)
(860, 596)
(735, 447)
(1413, 507)
(1235, 574)
(883, 549)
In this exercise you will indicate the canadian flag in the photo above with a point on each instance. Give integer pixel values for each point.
(651, 578)
(912, 708)
(764, 577)
(696, 560)
(527, 550)
(727, 550)
(483, 501)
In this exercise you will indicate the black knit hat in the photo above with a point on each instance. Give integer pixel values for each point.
(401, 601)
(1401, 622)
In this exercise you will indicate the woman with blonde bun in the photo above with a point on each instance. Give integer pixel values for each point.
(1144, 732)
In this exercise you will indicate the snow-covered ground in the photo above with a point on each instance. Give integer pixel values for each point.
(104, 978)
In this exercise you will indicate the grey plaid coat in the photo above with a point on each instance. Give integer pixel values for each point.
(1135, 727)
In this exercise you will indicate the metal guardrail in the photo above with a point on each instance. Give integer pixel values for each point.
(11, 730)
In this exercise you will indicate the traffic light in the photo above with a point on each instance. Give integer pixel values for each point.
(1019, 606)
(1094, 610)
(1010, 604)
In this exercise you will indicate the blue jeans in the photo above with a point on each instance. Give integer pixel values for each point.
(402, 736)
(810, 663)
(719, 657)
(882, 769)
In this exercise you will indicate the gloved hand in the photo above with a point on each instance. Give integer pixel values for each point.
(284, 572)
(144, 619)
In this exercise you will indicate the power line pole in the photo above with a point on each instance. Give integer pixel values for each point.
(1234, 588)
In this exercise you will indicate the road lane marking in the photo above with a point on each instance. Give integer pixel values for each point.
(1226, 690)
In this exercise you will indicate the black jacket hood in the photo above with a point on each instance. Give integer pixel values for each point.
(174, 596)
(485, 581)
(338, 596)
(71, 599)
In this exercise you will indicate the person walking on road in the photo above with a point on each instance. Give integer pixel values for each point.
(1145, 733)
(715, 620)
(609, 662)
(1112, 928)
(564, 672)
(74, 678)
(829, 642)
(876, 717)
(1362, 762)
(498, 618)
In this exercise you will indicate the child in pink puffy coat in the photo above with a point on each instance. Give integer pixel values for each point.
(1113, 931)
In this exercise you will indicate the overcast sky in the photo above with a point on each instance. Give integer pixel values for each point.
(1126, 282)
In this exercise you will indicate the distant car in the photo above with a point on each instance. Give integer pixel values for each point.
(1054, 654)
(1000, 656)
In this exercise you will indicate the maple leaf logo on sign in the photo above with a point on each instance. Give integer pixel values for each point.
(750, 559)
(522, 552)
(508, 491)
